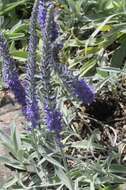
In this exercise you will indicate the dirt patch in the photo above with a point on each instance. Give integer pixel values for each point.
(9, 114)
(107, 115)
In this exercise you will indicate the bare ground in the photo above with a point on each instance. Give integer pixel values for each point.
(8, 115)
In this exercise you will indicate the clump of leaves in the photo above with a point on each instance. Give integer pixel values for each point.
(95, 33)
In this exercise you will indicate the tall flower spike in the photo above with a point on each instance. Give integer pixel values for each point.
(52, 115)
(10, 73)
(77, 87)
(31, 109)
(43, 7)
(42, 14)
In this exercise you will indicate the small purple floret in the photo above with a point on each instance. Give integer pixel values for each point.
(42, 13)
(32, 115)
(18, 90)
(53, 120)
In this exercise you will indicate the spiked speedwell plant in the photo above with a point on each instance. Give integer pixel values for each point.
(26, 92)
(27, 96)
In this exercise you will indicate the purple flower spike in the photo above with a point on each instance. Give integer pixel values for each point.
(31, 110)
(10, 73)
(83, 91)
(18, 90)
(42, 14)
(52, 115)
(53, 120)
(42, 18)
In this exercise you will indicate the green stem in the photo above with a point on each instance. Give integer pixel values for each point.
(66, 167)
(38, 154)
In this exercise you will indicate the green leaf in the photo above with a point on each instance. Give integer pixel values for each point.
(7, 142)
(4, 159)
(117, 168)
(11, 6)
(119, 55)
(20, 55)
(64, 178)
(19, 27)
(20, 155)
(14, 35)
(11, 182)
(15, 137)
(111, 69)
(94, 34)
(16, 165)
(52, 161)
(12, 163)
(86, 68)
(86, 144)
